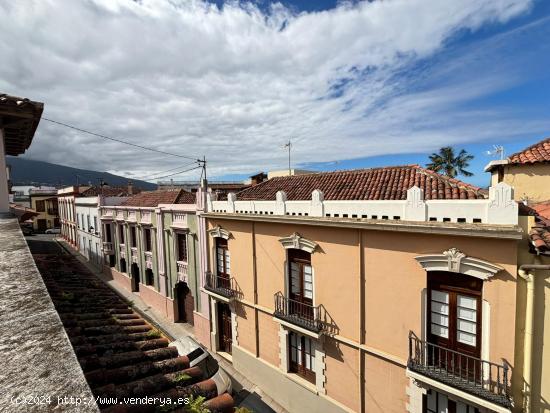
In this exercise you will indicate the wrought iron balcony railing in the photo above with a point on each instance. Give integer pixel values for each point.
(224, 286)
(298, 313)
(108, 247)
(482, 378)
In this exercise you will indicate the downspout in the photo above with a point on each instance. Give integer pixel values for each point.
(527, 273)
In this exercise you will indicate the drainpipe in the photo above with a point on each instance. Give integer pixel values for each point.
(527, 273)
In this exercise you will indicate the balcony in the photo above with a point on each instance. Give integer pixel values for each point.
(297, 313)
(148, 259)
(182, 270)
(134, 255)
(108, 248)
(122, 250)
(481, 378)
(226, 287)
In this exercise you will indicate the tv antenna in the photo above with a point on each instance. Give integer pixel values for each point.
(289, 146)
(498, 150)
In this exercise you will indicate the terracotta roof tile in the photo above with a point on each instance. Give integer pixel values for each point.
(539, 152)
(108, 191)
(543, 209)
(155, 198)
(540, 236)
(388, 183)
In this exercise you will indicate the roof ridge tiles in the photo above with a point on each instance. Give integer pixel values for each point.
(527, 156)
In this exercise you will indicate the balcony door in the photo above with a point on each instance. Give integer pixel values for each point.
(454, 308)
(223, 263)
(300, 282)
(225, 332)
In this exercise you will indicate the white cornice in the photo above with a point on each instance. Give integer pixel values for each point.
(296, 241)
(456, 261)
(219, 232)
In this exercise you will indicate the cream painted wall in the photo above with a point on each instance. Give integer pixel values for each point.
(342, 373)
(532, 181)
(393, 288)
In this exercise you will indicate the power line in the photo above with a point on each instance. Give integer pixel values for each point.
(119, 140)
(178, 173)
(153, 176)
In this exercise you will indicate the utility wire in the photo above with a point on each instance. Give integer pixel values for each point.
(120, 140)
(146, 177)
(178, 173)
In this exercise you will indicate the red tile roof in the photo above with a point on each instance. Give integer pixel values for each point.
(109, 191)
(155, 198)
(540, 236)
(543, 209)
(539, 152)
(388, 183)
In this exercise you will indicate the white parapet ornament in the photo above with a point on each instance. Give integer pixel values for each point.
(280, 199)
(317, 208)
(415, 207)
(231, 198)
(502, 208)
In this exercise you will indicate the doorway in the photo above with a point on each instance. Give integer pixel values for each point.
(225, 336)
(184, 303)
(300, 283)
(135, 277)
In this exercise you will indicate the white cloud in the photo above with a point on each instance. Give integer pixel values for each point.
(235, 83)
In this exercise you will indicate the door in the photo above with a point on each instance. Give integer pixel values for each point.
(454, 305)
(224, 327)
(223, 264)
(135, 278)
(300, 283)
(42, 225)
(185, 303)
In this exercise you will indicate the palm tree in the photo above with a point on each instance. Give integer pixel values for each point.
(447, 163)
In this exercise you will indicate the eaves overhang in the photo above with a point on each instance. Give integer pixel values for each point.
(510, 232)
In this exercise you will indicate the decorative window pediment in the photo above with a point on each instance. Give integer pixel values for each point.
(453, 260)
(219, 232)
(296, 241)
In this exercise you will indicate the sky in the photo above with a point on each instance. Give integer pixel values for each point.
(352, 84)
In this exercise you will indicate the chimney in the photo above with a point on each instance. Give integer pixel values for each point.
(130, 188)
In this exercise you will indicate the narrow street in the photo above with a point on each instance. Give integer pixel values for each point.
(121, 354)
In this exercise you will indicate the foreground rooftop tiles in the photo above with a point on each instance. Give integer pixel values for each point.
(121, 355)
(37, 358)
(388, 183)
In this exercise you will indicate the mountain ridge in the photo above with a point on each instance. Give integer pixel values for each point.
(32, 172)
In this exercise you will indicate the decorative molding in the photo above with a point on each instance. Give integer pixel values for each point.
(296, 241)
(219, 232)
(454, 260)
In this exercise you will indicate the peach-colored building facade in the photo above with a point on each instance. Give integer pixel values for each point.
(385, 290)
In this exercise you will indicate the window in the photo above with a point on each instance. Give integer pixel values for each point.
(133, 237)
(87, 222)
(301, 276)
(121, 233)
(107, 231)
(302, 356)
(455, 312)
(223, 264)
(434, 402)
(40, 206)
(182, 247)
(147, 240)
(95, 224)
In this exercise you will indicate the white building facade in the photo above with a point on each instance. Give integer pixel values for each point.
(89, 226)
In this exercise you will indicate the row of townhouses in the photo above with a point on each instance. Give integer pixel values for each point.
(377, 290)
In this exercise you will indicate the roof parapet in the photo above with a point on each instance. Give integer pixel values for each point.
(500, 208)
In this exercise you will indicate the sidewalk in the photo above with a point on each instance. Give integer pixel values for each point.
(246, 393)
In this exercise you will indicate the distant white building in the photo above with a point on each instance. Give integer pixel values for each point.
(87, 220)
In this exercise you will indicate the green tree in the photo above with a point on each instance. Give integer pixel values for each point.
(447, 163)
